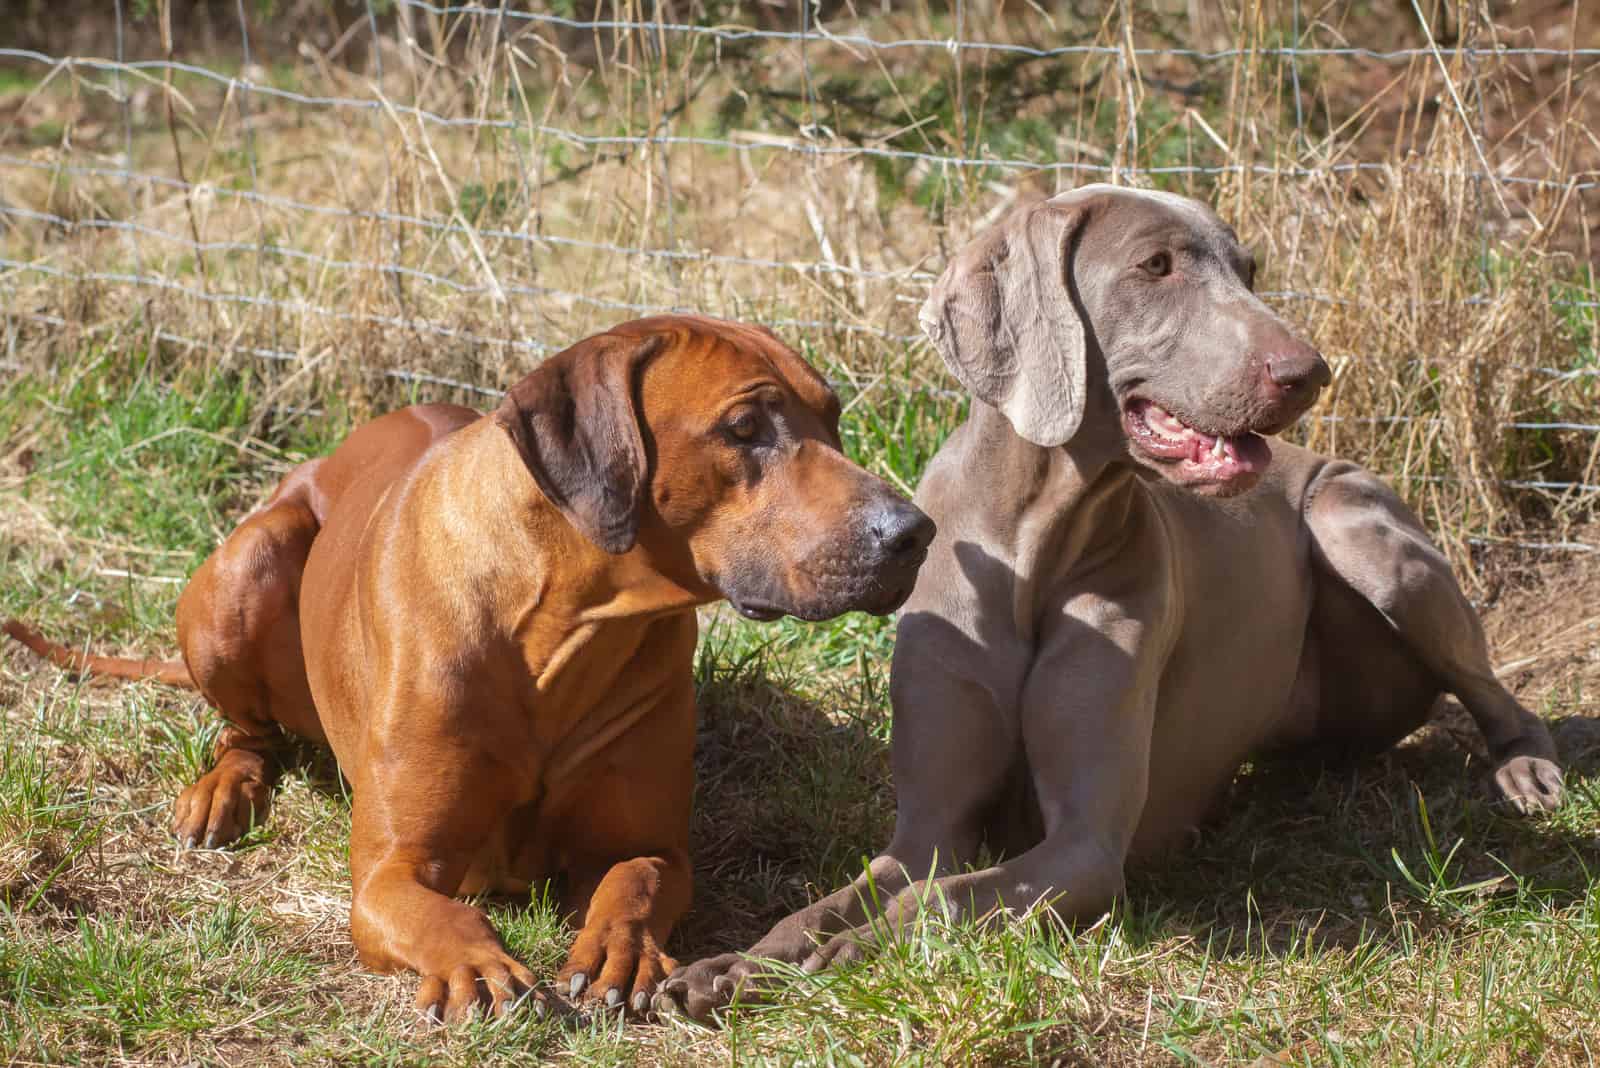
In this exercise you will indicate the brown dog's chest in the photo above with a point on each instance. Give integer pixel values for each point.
(522, 854)
(606, 691)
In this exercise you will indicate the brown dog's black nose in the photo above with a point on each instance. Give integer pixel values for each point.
(901, 530)
(1298, 369)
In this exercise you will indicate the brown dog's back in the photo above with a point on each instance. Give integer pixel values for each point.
(372, 456)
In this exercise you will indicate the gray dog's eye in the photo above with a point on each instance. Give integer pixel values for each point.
(1158, 266)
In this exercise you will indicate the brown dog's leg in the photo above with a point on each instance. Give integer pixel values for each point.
(240, 631)
(628, 829)
(422, 816)
(1366, 536)
(625, 916)
(230, 798)
(403, 916)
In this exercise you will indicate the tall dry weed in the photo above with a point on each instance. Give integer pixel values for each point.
(1448, 303)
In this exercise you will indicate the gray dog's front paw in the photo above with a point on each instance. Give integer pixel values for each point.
(1529, 784)
(700, 989)
(845, 948)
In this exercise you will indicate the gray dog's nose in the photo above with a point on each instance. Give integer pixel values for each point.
(901, 529)
(1298, 369)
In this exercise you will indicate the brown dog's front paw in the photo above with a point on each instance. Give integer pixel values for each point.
(488, 980)
(616, 964)
(224, 804)
(1530, 784)
(706, 986)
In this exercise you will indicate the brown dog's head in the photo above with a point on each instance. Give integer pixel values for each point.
(1147, 294)
(714, 449)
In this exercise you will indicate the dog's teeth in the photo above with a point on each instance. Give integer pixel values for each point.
(1220, 448)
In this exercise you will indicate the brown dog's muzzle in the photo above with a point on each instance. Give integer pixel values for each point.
(899, 534)
(866, 563)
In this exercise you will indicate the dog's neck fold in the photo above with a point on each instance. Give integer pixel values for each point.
(1060, 504)
(541, 575)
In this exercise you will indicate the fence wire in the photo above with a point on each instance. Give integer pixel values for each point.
(488, 184)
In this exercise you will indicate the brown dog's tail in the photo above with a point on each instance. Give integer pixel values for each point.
(171, 672)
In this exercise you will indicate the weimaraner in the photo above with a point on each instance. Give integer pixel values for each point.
(1133, 591)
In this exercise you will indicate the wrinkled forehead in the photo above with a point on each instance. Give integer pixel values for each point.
(714, 360)
(803, 380)
(1129, 217)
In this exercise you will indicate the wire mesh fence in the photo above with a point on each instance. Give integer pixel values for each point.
(430, 197)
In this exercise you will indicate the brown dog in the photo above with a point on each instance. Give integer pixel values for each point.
(491, 619)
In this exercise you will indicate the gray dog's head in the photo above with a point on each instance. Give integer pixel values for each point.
(1147, 293)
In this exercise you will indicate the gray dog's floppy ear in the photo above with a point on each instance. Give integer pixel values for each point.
(1002, 318)
(576, 425)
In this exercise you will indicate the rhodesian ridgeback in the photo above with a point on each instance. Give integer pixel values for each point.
(491, 619)
(1133, 591)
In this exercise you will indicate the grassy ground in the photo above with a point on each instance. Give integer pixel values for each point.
(1372, 915)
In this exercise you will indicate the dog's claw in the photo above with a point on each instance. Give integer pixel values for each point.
(1529, 785)
(641, 1002)
(613, 998)
(576, 986)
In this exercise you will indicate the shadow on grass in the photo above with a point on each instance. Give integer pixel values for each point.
(314, 764)
(1353, 849)
(790, 799)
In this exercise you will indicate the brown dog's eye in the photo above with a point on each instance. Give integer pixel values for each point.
(1158, 266)
(745, 427)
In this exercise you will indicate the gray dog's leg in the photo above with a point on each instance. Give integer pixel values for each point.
(1365, 534)
(1088, 748)
(712, 983)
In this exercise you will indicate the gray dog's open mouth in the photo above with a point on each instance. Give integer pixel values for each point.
(1192, 456)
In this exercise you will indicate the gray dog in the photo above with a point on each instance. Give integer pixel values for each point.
(1109, 624)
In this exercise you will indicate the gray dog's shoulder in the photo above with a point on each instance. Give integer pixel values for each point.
(983, 466)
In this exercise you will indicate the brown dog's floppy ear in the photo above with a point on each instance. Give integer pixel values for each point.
(576, 425)
(1004, 321)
